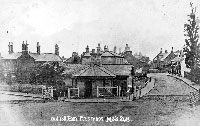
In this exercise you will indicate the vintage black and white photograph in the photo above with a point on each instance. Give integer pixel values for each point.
(99, 63)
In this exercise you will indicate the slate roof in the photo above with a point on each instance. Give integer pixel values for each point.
(177, 59)
(121, 70)
(94, 71)
(87, 54)
(14, 55)
(110, 54)
(104, 54)
(163, 56)
(71, 69)
(41, 57)
(45, 57)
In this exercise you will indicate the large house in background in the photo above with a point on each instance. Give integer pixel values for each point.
(106, 56)
(99, 68)
(22, 64)
(179, 61)
(163, 59)
(74, 59)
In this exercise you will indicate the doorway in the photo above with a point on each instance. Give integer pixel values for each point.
(88, 89)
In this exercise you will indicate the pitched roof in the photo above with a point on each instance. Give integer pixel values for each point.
(74, 68)
(163, 56)
(87, 54)
(94, 71)
(14, 55)
(110, 54)
(45, 57)
(177, 59)
(37, 57)
(121, 70)
(69, 60)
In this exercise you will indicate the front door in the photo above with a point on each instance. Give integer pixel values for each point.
(88, 88)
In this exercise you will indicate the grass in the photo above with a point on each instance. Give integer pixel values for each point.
(148, 112)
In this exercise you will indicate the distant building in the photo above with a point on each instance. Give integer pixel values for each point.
(163, 59)
(179, 63)
(106, 56)
(22, 64)
(74, 59)
(99, 68)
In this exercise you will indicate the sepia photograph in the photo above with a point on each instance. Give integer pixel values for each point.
(99, 63)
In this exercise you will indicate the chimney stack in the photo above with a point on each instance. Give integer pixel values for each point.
(106, 49)
(98, 48)
(23, 47)
(115, 49)
(87, 49)
(11, 47)
(120, 50)
(74, 54)
(165, 51)
(26, 47)
(172, 50)
(93, 51)
(9, 51)
(38, 48)
(56, 49)
(161, 50)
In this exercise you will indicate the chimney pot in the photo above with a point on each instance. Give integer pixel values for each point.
(93, 51)
(38, 48)
(87, 49)
(56, 49)
(161, 50)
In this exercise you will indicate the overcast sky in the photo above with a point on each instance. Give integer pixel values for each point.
(146, 25)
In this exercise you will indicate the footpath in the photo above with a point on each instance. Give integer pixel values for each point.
(185, 80)
(150, 85)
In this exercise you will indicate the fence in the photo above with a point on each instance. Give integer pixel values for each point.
(107, 91)
(48, 92)
(73, 92)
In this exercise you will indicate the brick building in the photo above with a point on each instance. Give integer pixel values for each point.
(163, 59)
(20, 65)
(106, 56)
(99, 68)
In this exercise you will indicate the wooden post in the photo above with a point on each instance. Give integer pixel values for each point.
(68, 92)
(97, 91)
(78, 91)
(75, 82)
(72, 82)
(135, 91)
(43, 88)
(140, 88)
(118, 91)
